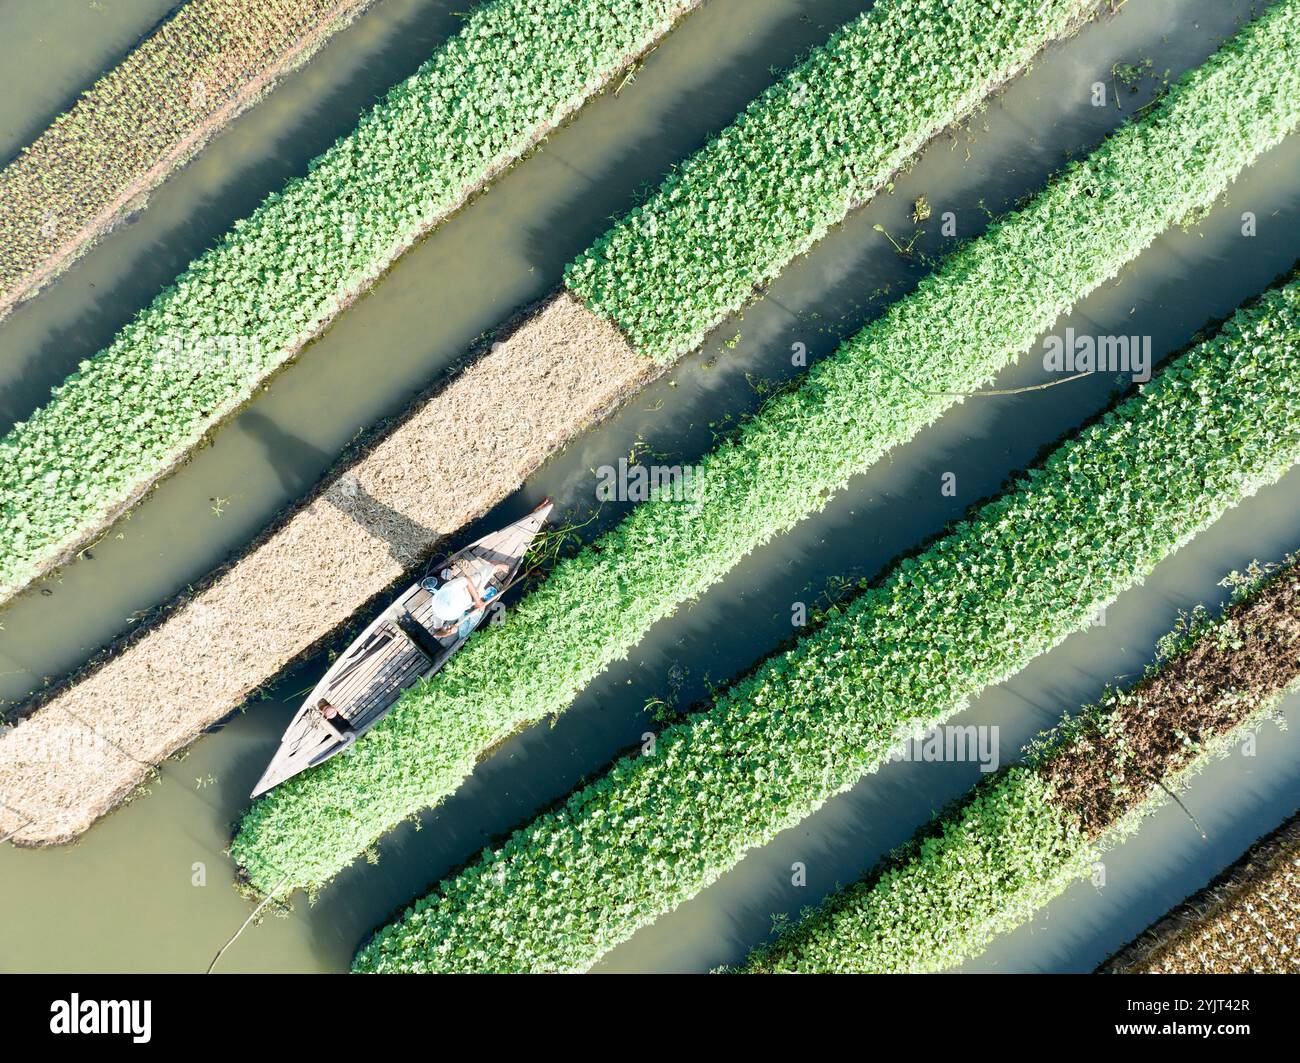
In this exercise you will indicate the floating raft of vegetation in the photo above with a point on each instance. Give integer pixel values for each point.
(516, 69)
(985, 306)
(144, 119)
(816, 144)
(988, 864)
(971, 610)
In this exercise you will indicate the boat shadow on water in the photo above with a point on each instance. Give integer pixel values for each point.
(297, 462)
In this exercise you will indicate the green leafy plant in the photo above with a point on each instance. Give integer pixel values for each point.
(1004, 586)
(983, 307)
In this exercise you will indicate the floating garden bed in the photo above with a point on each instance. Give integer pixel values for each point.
(969, 611)
(983, 307)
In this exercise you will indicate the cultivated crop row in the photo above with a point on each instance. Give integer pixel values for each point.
(800, 157)
(977, 313)
(1008, 584)
(199, 350)
(141, 120)
(987, 865)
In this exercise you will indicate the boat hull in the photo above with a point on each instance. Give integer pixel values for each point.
(406, 643)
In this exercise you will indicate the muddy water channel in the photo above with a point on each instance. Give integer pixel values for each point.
(52, 53)
(162, 897)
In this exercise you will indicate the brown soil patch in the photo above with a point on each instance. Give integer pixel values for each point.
(1122, 755)
(458, 454)
(1246, 921)
(142, 121)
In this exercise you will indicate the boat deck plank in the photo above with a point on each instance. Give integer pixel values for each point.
(388, 669)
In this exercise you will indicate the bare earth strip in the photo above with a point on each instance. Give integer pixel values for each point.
(1246, 920)
(91, 745)
(145, 119)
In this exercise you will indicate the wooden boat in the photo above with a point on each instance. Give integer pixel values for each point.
(413, 638)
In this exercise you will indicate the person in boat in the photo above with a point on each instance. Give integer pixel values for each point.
(458, 603)
(330, 713)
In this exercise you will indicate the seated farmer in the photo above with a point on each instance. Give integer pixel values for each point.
(333, 717)
(457, 606)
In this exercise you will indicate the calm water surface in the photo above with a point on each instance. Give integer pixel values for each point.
(52, 52)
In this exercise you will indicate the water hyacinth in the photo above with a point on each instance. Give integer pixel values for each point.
(984, 306)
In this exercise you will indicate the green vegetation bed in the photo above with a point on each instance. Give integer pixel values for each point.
(987, 865)
(800, 157)
(974, 608)
(982, 309)
(143, 119)
(242, 309)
